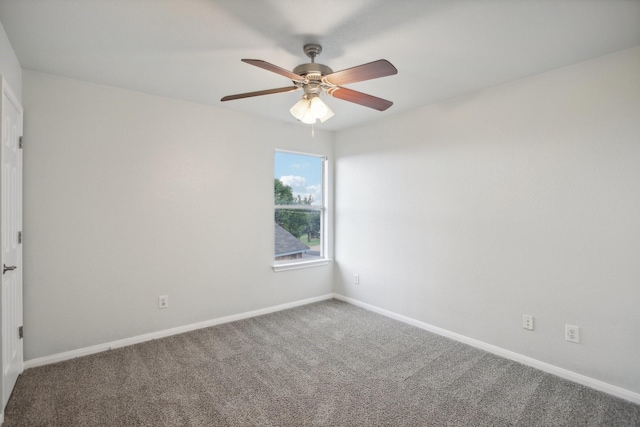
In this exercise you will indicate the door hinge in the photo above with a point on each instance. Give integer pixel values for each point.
(20, 332)
(20, 142)
(19, 236)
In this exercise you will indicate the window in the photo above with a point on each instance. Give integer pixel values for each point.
(300, 210)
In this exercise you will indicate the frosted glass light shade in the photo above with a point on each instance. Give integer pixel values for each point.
(310, 109)
(308, 117)
(317, 107)
(327, 115)
(299, 109)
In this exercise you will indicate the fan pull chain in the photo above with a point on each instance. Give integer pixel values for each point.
(313, 130)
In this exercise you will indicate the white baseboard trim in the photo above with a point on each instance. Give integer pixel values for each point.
(534, 363)
(543, 366)
(54, 358)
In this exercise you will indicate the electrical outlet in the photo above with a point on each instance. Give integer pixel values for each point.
(356, 279)
(572, 333)
(163, 301)
(527, 322)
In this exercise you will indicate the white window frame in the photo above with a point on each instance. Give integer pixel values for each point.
(324, 233)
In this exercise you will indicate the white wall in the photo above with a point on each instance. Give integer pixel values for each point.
(520, 199)
(9, 65)
(129, 196)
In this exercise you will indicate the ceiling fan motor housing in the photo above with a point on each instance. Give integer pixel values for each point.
(313, 73)
(312, 68)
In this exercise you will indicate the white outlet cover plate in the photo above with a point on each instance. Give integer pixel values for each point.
(572, 333)
(527, 322)
(163, 301)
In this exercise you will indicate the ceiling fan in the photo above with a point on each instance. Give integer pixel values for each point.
(315, 78)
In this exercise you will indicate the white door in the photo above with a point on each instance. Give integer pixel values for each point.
(11, 255)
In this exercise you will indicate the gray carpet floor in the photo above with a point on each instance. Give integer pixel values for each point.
(323, 364)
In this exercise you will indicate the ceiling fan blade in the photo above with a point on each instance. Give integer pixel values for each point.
(360, 98)
(260, 93)
(275, 69)
(372, 70)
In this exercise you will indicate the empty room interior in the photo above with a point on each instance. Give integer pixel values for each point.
(456, 194)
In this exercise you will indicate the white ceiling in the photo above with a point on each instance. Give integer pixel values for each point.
(191, 49)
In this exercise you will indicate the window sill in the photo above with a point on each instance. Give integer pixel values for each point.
(299, 265)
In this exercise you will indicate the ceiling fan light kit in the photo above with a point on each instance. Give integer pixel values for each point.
(310, 109)
(315, 79)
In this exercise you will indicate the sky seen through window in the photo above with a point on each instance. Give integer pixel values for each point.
(302, 173)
